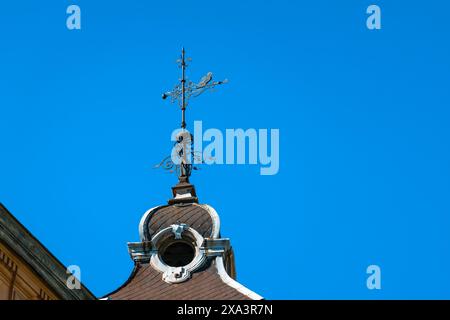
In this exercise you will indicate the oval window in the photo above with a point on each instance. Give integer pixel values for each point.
(178, 254)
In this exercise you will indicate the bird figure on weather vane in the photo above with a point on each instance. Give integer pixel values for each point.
(181, 93)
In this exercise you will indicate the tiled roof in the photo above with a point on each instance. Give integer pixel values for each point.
(146, 284)
(193, 215)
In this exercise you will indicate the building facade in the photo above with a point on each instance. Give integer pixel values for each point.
(181, 256)
(28, 271)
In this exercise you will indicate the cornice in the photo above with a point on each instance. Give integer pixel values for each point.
(44, 263)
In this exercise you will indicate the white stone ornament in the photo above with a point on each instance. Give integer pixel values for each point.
(176, 274)
(178, 229)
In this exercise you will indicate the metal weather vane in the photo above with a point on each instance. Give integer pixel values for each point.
(181, 93)
(186, 89)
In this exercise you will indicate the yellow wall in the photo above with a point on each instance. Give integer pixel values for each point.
(18, 281)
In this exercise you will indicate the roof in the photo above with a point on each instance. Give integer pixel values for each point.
(195, 215)
(209, 272)
(146, 283)
(38, 257)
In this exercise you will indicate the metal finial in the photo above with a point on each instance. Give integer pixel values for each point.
(181, 93)
(186, 89)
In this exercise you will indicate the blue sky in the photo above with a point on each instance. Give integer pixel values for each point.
(364, 136)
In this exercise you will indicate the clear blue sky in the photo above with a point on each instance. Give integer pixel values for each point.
(363, 116)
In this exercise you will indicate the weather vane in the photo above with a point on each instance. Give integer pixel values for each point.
(181, 93)
(187, 89)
